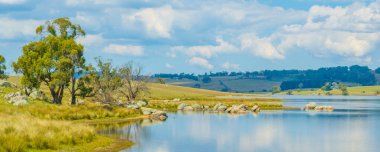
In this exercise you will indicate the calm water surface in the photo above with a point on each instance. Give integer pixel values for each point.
(353, 127)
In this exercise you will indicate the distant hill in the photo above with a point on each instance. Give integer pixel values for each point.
(264, 81)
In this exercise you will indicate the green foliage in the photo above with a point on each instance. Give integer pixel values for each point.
(343, 88)
(206, 79)
(327, 87)
(2, 68)
(54, 59)
(290, 92)
(161, 81)
(276, 89)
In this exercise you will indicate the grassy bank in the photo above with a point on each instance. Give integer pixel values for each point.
(42, 126)
(357, 91)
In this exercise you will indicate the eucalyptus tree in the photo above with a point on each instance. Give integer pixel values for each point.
(2, 68)
(56, 59)
(134, 82)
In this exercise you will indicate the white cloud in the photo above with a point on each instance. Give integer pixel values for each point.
(158, 22)
(124, 49)
(12, 28)
(261, 47)
(78, 2)
(230, 66)
(91, 39)
(351, 32)
(11, 2)
(206, 51)
(201, 62)
(169, 66)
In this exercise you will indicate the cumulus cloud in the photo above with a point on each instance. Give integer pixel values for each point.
(201, 62)
(12, 28)
(11, 2)
(157, 22)
(350, 32)
(206, 51)
(124, 49)
(91, 39)
(230, 66)
(261, 47)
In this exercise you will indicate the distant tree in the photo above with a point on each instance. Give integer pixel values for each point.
(290, 92)
(300, 85)
(327, 87)
(206, 79)
(2, 68)
(161, 80)
(134, 83)
(197, 85)
(377, 70)
(276, 89)
(343, 88)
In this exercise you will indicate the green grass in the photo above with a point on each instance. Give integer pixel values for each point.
(234, 83)
(359, 91)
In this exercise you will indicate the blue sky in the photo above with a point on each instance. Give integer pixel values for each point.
(170, 36)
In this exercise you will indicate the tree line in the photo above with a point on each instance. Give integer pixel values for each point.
(57, 60)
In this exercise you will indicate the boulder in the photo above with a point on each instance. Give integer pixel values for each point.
(310, 106)
(141, 103)
(154, 114)
(11, 95)
(255, 108)
(17, 99)
(7, 84)
(176, 100)
(80, 102)
(219, 107)
(133, 106)
(237, 109)
(324, 108)
(197, 107)
(38, 95)
(181, 106)
(206, 107)
(188, 108)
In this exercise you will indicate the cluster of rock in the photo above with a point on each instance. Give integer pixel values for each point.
(315, 107)
(134, 104)
(219, 108)
(154, 113)
(17, 98)
(7, 84)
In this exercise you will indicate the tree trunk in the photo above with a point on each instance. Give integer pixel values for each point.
(73, 97)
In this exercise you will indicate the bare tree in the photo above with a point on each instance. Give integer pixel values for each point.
(134, 82)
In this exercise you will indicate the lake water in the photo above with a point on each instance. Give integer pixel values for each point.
(354, 126)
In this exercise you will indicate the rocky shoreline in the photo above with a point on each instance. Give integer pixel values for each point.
(219, 108)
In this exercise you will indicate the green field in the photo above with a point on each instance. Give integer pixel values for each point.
(235, 84)
(359, 91)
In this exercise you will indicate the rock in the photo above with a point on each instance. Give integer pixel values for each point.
(11, 95)
(7, 84)
(141, 103)
(188, 108)
(310, 106)
(237, 109)
(17, 99)
(176, 100)
(206, 107)
(38, 95)
(133, 106)
(219, 107)
(181, 106)
(255, 108)
(80, 102)
(147, 111)
(324, 108)
(154, 114)
(197, 107)
(314, 106)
